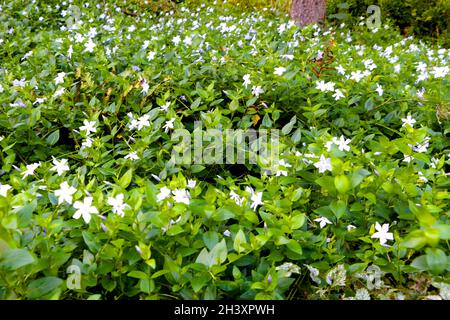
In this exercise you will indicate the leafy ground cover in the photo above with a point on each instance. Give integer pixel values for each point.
(92, 205)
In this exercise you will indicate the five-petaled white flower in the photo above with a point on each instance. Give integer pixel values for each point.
(164, 193)
(256, 200)
(29, 171)
(342, 143)
(60, 166)
(65, 192)
(338, 94)
(257, 90)
(168, 125)
(191, 184)
(84, 209)
(132, 156)
(382, 233)
(246, 79)
(4, 189)
(89, 46)
(89, 126)
(181, 196)
(279, 71)
(323, 222)
(324, 164)
(60, 78)
(165, 107)
(408, 120)
(379, 89)
(118, 206)
(145, 87)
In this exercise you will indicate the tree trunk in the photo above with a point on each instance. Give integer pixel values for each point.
(308, 11)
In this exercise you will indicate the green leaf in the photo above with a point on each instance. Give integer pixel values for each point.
(339, 208)
(91, 241)
(24, 215)
(444, 231)
(288, 127)
(138, 274)
(15, 258)
(210, 239)
(342, 183)
(125, 180)
(53, 138)
(415, 240)
(204, 257)
(219, 253)
(297, 221)
(436, 260)
(294, 246)
(239, 240)
(234, 105)
(43, 287)
(146, 285)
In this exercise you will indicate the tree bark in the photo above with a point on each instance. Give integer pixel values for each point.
(308, 11)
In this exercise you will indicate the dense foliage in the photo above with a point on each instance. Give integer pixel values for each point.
(89, 97)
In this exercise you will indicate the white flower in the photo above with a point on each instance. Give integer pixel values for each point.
(151, 55)
(145, 87)
(168, 125)
(89, 126)
(379, 89)
(181, 196)
(234, 196)
(440, 72)
(142, 122)
(382, 233)
(89, 46)
(176, 40)
(324, 164)
(246, 79)
(397, 68)
(19, 83)
(85, 209)
(357, 76)
(4, 189)
(39, 100)
(60, 166)
(342, 143)
(132, 156)
(191, 184)
(60, 78)
(281, 172)
(279, 71)
(59, 92)
(87, 143)
(164, 193)
(187, 41)
(288, 268)
(338, 94)
(350, 227)
(408, 159)
(117, 204)
(340, 70)
(256, 200)
(69, 52)
(65, 192)
(322, 222)
(257, 90)
(325, 86)
(165, 107)
(408, 121)
(29, 171)
(227, 233)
